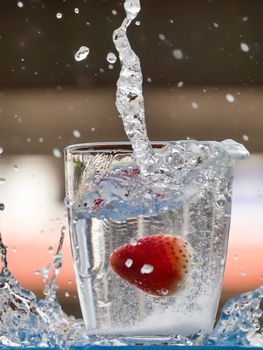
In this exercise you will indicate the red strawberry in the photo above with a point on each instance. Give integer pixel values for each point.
(156, 264)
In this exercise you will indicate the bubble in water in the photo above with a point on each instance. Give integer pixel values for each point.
(14, 249)
(68, 202)
(50, 249)
(215, 24)
(92, 129)
(41, 139)
(2, 206)
(82, 53)
(114, 12)
(67, 294)
(178, 54)
(243, 274)
(16, 168)
(137, 23)
(20, 4)
(111, 58)
(230, 98)
(194, 105)
(76, 133)
(1, 150)
(244, 19)
(59, 15)
(57, 153)
(236, 257)
(76, 10)
(128, 263)
(2, 180)
(147, 268)
(180, 84)
(245, 137)
(164, 291)
(244, 47)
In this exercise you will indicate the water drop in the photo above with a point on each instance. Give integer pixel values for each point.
(1, 150)
(111, 58)
(244, 19)
(137, 23)
(230, 98)
(244, 47)
(92, 129)
(82, 53)
(56, 153)
(76, 134)
(194, 105)
(20, 4)
(14, 249)
(243, 274)
(216, 25)
(41, 139)
(147, 268)
(245, 137)
(162, 37)
(59, 15)
(236, 257)
(164, 291)
(180, 84)
(50, 249)
(69, 282)
(110, 66)
(2, 206)
(68, 202)
(128, 263)
(16, 168)
(67, 294)
(2, 180)
(178, 54)
(114, 12)
(76, 10)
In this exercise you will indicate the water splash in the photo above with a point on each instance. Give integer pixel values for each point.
(129, 97)
(26, 321)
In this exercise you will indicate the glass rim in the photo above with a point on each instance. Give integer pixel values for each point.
(105, 146)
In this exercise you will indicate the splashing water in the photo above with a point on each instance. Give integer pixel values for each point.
(26, 321)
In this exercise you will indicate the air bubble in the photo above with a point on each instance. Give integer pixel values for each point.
(1, 150)
(69, 202)
(147, 268)
(59, 15)
(2, 206)
(16, 168)
(50, 249)
(128, 263)
(20, 4)
(67, 294)
(162, 37)
(82, 53)
(114, 12)
(245, 137)
(111, 58)
(76, 10)
(164, 291)
(194, 105)
(180, 84)
(243, 274)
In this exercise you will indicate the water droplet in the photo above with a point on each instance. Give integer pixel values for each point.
(180, 84)
(236, 257)
(111, 58)
(178, 54)
(245, 137)
(215, 24)
(50, 249)
(114, 12)
(2, 180)
(162, 37)
(76, 134)
(69, 282)
(67, 294)
(243, 274)
(20, 4)
(41, 139)
(69, 202)
(110, 66)
(2, 206)
(137, 23)
(92, 129)
(76, 10)
(14, 249)
(59, 15)
(244, 19)
(147, 268)
(194, 105)
(230, 98)
(128, 263)
(16, 168)
(56, 153)
(82, 53)
(1, 150)
(149, 80)
(164, 291)
(244, 47)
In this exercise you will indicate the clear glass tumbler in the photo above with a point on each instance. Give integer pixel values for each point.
(117, 216)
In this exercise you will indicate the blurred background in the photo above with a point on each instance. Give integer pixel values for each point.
(203, 79)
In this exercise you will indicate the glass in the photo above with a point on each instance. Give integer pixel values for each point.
(110, 205)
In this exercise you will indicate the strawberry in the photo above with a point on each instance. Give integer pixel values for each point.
(156, 264)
